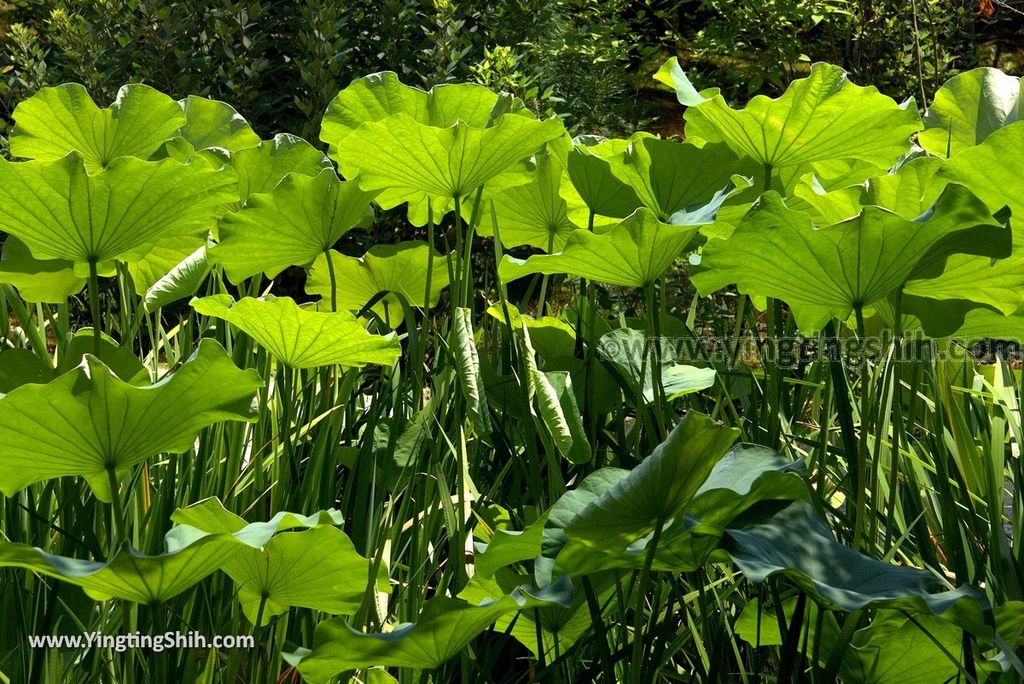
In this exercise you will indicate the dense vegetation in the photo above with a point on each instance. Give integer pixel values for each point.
(625, 409)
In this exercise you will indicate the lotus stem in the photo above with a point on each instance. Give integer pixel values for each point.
(94, 306)
(334, 279)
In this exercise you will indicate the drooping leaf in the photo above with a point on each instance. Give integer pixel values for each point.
(398, 270)
(301, 337)
(820, 118)
(827, 272)
(88, 421)
(444, 627)
(63, 119)
(61, 212)
(797, 543)
(315, 567)
(560, 414)
(38, 280)
(509, 546)
(968, 108)
(130, 575)
(300, 218)
(212, 123)
(467, 362)
(636, 252)
(180, 282)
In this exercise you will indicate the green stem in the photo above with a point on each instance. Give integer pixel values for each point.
(861, 464)
(638, 607)
(94, 306)
(117, 510)
(334, 281)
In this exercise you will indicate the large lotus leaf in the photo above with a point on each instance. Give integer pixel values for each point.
(61, 212)
(20, 366)
(532, 214)
(409, 159)
(636, 252)
(968, 108)
(670, 176)
(63, 119)
(444, 627)
(825, 273)
(212, 123)
(819, 118)
(654, 491)
(301, 337)
(507, 547)
(88, 420)
(624, 349)
(300, 218)
(992, 169)
(38, 280)
(797, 543)
(589, 168)
(260, 168)
(183, 280)
(130, 575)
(397, 270)
(378, 96)
(315, 567)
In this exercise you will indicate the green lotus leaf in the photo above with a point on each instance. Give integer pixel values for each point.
(260, 168)
(315, 567)
(551, 337)
(827, 272)
(636, 252)
(378, 96)
(819, 118)
(130, 575)
(301, 337)
(968, 108)
(670, 176)
(532, 214)
(182, 281)
(300, 218)
(61, 212)
(603, 192)
(560, 414)
(398, 270)
(212, 123)
(38, 280)
(649, 495)
(444, 627)
(410, 160)
(797, 543)
(624, 348)
(166, 255)
(21, 367)
(88, 421)
(507, 547)
(63, 119)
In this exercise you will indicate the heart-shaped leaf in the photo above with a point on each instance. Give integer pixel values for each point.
(88, 421)
(301, 337)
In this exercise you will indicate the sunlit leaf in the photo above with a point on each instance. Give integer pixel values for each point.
(968, 108)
